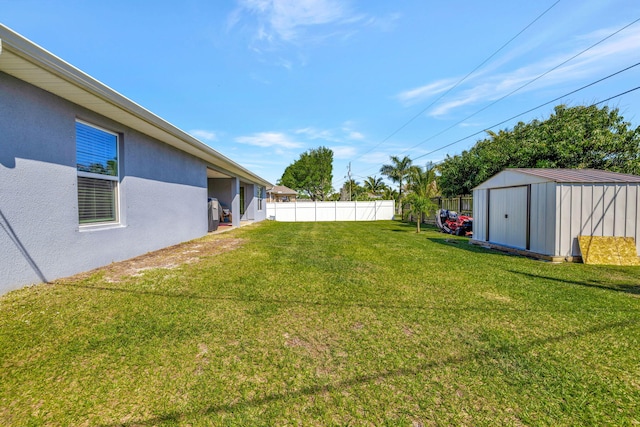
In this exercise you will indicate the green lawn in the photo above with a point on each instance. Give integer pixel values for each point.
(328, 324)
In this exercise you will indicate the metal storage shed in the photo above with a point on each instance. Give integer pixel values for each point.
(541, 212)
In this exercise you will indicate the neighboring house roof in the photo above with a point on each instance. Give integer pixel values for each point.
(521, 176)
(31, 63)
(282, 190)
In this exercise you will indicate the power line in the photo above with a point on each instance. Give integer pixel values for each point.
(461, 80)
(504, 121)
(523, 86)
(518, 89)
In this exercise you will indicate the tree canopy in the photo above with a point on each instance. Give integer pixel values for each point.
(311, 173)
(572, 137)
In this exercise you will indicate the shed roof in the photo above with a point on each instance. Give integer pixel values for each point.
(522, 176)
(579, 175)
(31, 63)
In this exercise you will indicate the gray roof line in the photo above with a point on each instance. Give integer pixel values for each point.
(45, 60)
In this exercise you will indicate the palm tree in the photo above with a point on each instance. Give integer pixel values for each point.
(390, 194)
(352, 189)
(422, 185)
(397, 171)
(374, 186)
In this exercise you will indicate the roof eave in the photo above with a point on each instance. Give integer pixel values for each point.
(35, 65)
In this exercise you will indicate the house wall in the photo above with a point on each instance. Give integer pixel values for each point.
(163, 191)
(249, 202)
(252, 208)
(221, 189)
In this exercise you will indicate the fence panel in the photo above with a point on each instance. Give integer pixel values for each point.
(461, 204)
(331, 211)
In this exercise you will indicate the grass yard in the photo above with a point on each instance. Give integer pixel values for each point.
(313, 324)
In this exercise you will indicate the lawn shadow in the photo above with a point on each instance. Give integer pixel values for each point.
(464, 244)
(630, 288)
(385, 305)
(403, 227)
(490, 354)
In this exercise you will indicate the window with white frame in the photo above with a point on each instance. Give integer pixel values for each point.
(260, 196)
(98, 175)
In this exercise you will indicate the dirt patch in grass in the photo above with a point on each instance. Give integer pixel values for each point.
(167, 258)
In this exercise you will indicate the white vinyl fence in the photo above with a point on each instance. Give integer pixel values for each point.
(331, 211)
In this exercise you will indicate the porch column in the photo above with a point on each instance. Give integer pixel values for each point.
(235, 202)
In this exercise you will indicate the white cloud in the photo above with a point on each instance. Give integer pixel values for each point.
(269, 139)
(351, 133)
(345, 133)
(489, 87)
(355, 135)
(387, 23)
(313, 133)
(343, 152)
(289, 20)
(204, 135)
(375, 157)
(421, 93)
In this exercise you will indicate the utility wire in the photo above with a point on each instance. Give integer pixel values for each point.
(461, 80)
(514, 91)
(521, 87)
(616, 96)
(504, 121)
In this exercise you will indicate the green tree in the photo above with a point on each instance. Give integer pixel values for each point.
(422, 188)
(390, 194)
(311, 173)
(352, 190)
(397, 171)
(572, 137)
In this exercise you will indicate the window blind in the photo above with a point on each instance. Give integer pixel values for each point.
(96, 200)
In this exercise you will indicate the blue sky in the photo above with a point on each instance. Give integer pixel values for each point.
(262, 81)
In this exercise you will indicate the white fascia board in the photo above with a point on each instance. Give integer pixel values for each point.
(29, 62)
(510, 178)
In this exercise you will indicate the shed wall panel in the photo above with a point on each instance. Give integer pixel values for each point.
(608, 215)
(551, 212)
(579, 210)
(597, 227)
(480, 215)
(542, 218)
(620, 211)
(587, 211)
(633, 208)
(563, 220)
(595, 210)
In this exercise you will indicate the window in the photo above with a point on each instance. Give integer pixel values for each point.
(97, 165)
(260, 197)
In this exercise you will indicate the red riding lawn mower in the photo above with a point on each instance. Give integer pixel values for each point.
(452, 223)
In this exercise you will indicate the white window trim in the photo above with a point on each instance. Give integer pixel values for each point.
(94, 226)
(260, 191)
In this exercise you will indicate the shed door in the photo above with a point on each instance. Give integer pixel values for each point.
(508, 216)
